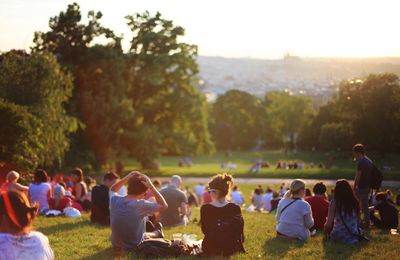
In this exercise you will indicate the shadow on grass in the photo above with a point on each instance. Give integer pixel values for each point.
(278, 247)
(64, 227)
(337, 250)
(107, 253)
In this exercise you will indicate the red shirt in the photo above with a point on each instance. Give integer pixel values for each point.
(319, 207)
(206, 197)
(63, 203)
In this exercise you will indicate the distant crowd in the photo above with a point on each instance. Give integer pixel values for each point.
(137, 209)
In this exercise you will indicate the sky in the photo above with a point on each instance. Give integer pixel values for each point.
(232, 28)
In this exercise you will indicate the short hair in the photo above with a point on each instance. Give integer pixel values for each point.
(359, 148)
(319, 188)
(381, 196)
(110, 176)
(136, 186)
(235, 187)
(296, 186)
(40, 176)
(12, 175)
(79, 173)
(176, 180)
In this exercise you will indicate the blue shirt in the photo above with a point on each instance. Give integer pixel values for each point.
(128, 221)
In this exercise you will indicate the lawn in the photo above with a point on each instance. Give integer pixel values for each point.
(343, 166)
(78, 239)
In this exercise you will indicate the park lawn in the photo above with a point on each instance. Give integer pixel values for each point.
(208, 165)
(78, 239)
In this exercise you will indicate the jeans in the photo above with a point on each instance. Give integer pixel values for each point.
(363, 198)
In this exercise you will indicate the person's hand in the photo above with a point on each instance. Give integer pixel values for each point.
(146, 180)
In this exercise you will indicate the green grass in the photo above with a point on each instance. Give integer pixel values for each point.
(78, 239)
(210, 165)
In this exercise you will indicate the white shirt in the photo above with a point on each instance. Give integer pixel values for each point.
(267, 201)
(33, 245)
(237, 198)
(38, 194)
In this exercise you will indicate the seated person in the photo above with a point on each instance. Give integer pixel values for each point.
(237, 196)
(177, 202)
(40, 190)
(100, 206)
(266, 199)
(343, 214)
(221, 221)
(275, 201)
(12, 183)
(389, 215)
(294, 216)
(256, 200)
(319, 205)
(17, 241)
(59, 201)
(128, 214)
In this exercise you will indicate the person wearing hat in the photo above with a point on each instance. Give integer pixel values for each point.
(294, 215)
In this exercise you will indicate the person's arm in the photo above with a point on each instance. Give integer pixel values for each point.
(357, 179)
(118, 185)
(21, 187)
(78, 191)
(183, 209)
(49, 193)
(331, 215)
(308, 218)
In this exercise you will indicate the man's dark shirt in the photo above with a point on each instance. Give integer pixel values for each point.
(100, 205)
(365, 166)
(389, 214)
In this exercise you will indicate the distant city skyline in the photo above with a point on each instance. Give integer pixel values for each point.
(236, 29)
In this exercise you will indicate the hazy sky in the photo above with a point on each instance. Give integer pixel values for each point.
(230, 28)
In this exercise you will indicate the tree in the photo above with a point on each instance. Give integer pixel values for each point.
(170, 114)
(288, 115)
(238, 120)
(33, 92)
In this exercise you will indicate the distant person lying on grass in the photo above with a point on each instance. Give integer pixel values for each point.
(389, 215)
(221, 221)
(343, 214)
(294, 217)
(17, 241)
(128, 214)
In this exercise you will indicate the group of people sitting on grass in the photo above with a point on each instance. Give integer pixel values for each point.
(139, 216)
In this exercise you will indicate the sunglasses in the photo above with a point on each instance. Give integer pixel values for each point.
(211, 190)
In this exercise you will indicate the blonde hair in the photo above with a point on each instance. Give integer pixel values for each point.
(12, 175)
(295, 187)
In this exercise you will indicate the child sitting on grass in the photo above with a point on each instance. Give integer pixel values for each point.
(389, 215)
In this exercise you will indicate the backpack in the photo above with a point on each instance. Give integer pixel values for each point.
(376, 178)
(160, 247)
(229, 231)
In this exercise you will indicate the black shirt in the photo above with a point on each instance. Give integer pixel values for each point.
(223, 229)
(365, 166)
(100, 205)
(389, 214)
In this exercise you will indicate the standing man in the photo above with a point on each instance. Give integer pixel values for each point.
(362, 181)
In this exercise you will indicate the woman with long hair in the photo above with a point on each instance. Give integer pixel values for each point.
(17, 241)
(343, 214)
(79, 188)
(221, 221)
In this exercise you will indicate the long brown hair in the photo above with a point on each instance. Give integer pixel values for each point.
(16, 210)
(345, 199)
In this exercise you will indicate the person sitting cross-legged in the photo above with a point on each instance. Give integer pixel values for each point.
(319, 205)
(128, 214)
(389, 215)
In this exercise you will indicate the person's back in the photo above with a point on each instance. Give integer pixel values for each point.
(343, 225)
(33, 245)
(296, 220)
(267, 200)
(39, 193)
(319, 206)
(389, 215)
(174, 198)
(100, 209)
(222, 228)
(127, 221)
(237, 197)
